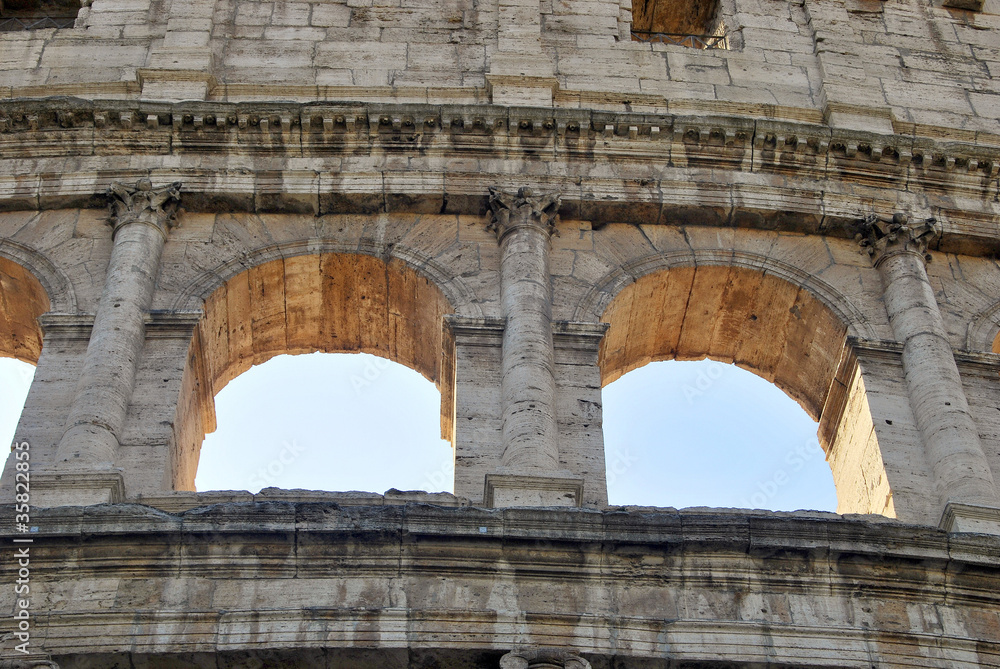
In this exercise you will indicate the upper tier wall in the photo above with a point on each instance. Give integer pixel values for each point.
(862, 63)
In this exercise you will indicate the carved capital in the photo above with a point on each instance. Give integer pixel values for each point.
(142, 203)
(542, 658)
(28, 663)
(525, 209)
(883, 236)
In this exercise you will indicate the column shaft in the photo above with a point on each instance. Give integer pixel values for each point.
(530, 435)
(950, 436)
(141, 217)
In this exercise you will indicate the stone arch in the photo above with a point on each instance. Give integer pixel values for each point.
(22, 300)
(769, 325)
(984, 330)
(458, 294)
(604, 291)
(324, 302)
(58, 289)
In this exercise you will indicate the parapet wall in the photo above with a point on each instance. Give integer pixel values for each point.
(330, 583)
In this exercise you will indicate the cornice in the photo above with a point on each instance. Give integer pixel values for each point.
(329, 158)
(290, 127)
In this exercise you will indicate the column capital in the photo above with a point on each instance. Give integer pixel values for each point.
(524, 209)
(883, 236)
(141, 203)
(537, 658)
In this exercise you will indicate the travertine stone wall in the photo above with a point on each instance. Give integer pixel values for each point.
(341, 581)
(894, 66)
(708, 204)
(851, 440)
(591, 269)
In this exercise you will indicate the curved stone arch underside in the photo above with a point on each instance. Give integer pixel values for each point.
(730, 313)
(318, 302)
(58, 288)
(461, 298)
(23, 298)
(774, 327)
(984, 330)
(597, 299)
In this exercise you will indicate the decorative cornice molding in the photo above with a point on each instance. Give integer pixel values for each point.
(275, 127)
(66, 327)
(886, 349)
(949, 171)
(171, 324)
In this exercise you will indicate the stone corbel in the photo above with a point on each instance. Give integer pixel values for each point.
(881, 236)
(156, 207)
(526, 209)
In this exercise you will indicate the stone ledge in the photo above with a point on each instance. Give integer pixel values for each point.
(623, 586)
(443, 514)
(183, 501)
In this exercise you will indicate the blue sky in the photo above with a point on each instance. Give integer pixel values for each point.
(676, 433)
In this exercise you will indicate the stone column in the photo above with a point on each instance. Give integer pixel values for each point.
(141, 217)
(524, 223)
(949, 434)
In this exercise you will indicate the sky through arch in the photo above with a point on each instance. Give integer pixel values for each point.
(327, 421)
(676, 433)
(15, 379)
(705, 433)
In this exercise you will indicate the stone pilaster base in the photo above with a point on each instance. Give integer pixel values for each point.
(970, 518)
(76, 488)
(521, 89)
(508, 490)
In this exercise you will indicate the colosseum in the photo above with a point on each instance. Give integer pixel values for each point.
(522, 200)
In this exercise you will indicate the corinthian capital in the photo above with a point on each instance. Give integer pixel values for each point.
(539, 658)
(882, 236)
(525, 209)
(142, 203)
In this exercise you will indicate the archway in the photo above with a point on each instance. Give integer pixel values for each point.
(703, 433)
(348, 421)
(771, 327)
(22, 301)
(332, 303)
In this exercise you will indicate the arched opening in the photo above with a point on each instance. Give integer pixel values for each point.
(328, 303)
(771, 327)
(15, 379)
(22, 301)
(703, 433)
(349, 421)
(691, 23)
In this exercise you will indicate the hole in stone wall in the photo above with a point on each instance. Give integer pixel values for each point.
(15, 379)
(692, 23)
(327, 421)
(710, 434)
(18, 15)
